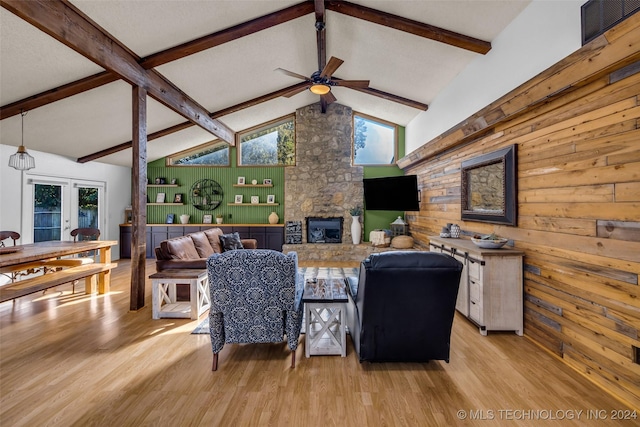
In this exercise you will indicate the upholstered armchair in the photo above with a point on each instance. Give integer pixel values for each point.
(256, 297)
(404, 306)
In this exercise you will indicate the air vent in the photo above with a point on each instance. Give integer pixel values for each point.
(600, 15)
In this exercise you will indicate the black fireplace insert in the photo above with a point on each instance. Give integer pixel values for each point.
(324, 230)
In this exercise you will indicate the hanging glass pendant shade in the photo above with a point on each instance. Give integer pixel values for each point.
(22, 160)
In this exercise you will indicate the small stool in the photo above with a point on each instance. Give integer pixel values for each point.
(163, 293)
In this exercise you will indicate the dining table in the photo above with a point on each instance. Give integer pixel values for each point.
(15, 256)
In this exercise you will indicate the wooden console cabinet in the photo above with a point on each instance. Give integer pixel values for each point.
(490, 293)
(268, 236)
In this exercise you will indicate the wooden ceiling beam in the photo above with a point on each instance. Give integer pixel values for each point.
(185, 125)
(160, 58)
(410, 26)
(391, 97)
(319, 8)
(66, 24)
(388, 96)
(321, 34)
(228, 34)
(58, 93)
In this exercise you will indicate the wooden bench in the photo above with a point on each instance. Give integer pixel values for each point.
(14, 272)
(40, 283)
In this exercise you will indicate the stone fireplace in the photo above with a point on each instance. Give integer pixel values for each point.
(322, 184)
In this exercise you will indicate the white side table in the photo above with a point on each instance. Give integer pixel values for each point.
(163, 291)
(325, 302)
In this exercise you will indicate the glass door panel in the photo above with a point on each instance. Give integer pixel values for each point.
(88, 207)
(47, 212)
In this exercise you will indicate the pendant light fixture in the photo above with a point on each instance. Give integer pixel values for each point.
(22, 161)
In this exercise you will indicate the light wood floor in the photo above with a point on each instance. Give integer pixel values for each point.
(87, 360)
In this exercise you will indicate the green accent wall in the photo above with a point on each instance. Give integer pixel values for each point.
(382, 219)
(186, 176)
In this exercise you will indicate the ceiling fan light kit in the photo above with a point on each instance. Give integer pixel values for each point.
(22, 160)
(320, 88)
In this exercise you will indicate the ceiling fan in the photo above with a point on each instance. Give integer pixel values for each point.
(321, 81)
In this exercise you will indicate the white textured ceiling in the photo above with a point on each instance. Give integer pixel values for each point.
(396, 62)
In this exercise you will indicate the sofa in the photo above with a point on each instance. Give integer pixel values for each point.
(192, 250)
(404, 303)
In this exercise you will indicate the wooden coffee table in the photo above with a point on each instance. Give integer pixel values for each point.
(325, 304)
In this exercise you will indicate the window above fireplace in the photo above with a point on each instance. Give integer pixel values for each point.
(375, 141)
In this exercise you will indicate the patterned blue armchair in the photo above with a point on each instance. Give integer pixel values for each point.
(256, 297)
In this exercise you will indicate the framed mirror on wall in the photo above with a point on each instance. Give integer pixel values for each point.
(489, 187)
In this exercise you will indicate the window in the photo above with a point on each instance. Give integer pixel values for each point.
(213, 153)
(271, 144)
(375, 141)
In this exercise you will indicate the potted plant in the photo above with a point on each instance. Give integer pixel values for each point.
(219, 219)
(356, 211)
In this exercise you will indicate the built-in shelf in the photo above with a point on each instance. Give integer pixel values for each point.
(253, 185)
(163, 185)
(253, 204)
(163, 204)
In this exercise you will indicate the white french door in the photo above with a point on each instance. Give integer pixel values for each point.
(53, 206)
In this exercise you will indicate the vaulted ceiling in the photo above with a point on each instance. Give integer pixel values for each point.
(223, 55)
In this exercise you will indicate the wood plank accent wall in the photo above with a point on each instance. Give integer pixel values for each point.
(577, 130)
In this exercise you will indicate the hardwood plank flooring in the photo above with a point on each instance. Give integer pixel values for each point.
(78, 360)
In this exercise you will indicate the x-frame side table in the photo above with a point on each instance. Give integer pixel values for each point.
(164, 303)
(325, 302)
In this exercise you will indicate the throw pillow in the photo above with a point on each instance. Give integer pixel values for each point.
(230, 241)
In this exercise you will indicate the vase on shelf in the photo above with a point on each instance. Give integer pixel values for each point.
(184, 219)
(273, 218)
(455, 231)
(356, 229)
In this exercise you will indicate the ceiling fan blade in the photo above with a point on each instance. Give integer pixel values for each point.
(328, 98)
(351, 83)
(296, 91)
(331, 66)
(292, 74)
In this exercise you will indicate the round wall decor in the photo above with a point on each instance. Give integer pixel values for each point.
(206, 194)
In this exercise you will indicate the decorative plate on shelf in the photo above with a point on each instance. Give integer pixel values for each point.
(489, 244)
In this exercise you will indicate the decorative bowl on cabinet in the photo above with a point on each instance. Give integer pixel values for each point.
(489, 244)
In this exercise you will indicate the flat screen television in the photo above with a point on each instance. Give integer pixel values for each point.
(393, 193)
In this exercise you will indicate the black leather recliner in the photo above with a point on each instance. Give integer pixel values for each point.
(404, 306)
